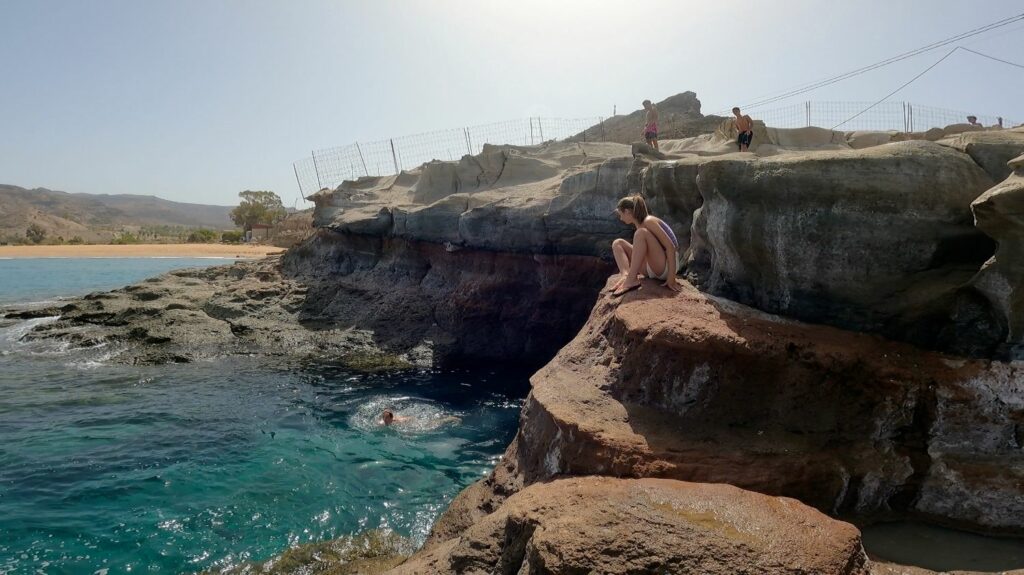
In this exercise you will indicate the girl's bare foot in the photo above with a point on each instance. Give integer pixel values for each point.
(625, 287)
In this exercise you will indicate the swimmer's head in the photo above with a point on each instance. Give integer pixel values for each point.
(387, 417)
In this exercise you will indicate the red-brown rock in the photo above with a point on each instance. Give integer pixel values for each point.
(656, 526)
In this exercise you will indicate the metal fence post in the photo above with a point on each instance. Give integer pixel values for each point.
(808, 105)
(531, 131)
(469, 143)
(394, 158)
(317, 170)
(601, 121)
(298, 181)
(361, 160)
(540, 128)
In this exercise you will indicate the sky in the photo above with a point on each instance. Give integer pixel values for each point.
(195, 101)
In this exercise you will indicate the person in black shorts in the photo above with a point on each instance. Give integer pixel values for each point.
(745, 127)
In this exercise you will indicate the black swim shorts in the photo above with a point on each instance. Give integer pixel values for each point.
(650, 136)
(744, 138)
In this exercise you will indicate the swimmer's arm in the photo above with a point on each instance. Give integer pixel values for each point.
(451, 419)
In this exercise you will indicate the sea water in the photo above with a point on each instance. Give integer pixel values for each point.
(41, 279)
(107, 468)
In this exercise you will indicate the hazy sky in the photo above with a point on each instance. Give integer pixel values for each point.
(197, 100)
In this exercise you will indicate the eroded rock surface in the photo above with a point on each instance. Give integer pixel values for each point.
(991, 149)
(999, 212)
(698, 388)
(874, 240)
(615, 526)
(336, 297)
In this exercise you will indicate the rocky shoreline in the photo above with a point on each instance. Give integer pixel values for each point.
(849, 344)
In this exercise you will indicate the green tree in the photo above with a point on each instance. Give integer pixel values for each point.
(232, 237)
(35, 233)
(202, 236)
(258, 207)
(124, 237)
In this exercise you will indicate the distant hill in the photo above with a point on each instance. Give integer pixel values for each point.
(98, 217)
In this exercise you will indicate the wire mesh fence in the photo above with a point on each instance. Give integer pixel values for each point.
(853, 116)
(330, 167)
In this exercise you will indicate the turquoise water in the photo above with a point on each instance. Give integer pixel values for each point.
(168, 469)
(40, 279)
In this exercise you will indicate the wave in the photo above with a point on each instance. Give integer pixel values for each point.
(17, 331)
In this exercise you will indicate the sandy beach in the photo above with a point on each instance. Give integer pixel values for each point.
(139, 251)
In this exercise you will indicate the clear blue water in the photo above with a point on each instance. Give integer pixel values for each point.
(177, 468)
(40, 279)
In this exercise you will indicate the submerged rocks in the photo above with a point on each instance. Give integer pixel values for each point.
(616, 526)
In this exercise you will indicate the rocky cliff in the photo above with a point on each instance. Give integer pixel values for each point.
(848, 340)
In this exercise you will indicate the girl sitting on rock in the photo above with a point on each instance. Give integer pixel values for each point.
(653, 249)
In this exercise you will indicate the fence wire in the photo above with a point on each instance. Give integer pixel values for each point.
(850, 116)
(330, 167)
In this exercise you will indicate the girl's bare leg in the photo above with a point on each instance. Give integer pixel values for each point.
(656, 257)
(641, 240)
(622, 250)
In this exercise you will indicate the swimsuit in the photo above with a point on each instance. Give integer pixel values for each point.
(744, 138)
(675, 242)
(651, 131)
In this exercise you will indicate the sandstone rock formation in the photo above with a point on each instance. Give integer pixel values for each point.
(999, 212)
(699, 388)
(602, 525)
(679, 116)
(876, 239)
(991, 149)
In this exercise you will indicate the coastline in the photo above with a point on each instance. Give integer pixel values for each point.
(140, 251)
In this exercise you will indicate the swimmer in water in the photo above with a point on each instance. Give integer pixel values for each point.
(389, 417)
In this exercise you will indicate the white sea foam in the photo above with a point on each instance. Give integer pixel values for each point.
(94, 359)
(17, 331)
(423, 415)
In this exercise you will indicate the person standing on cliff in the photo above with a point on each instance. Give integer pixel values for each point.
(653, 249)
(745, 127)
(650, 130)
